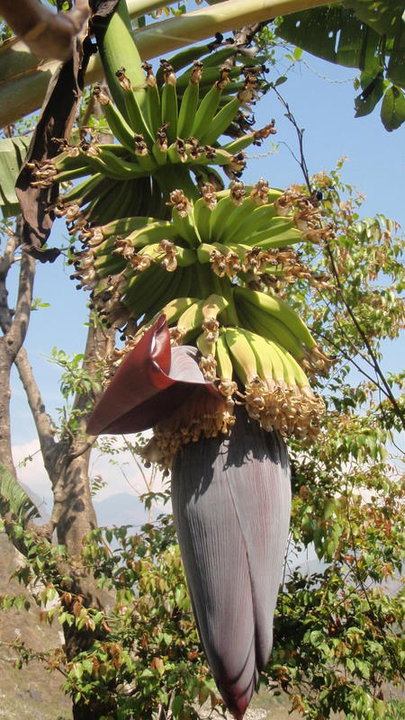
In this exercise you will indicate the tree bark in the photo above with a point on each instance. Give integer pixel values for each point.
(66, 460)
(48, 35)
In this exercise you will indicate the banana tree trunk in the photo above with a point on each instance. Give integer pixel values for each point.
(24, 79)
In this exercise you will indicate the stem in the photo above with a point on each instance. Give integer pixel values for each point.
(24, 79)
(175, 177)
(47, 34)
(223, 287)
(118, 50)
(364, 338)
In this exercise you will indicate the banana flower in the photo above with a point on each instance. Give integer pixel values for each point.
(231, 502)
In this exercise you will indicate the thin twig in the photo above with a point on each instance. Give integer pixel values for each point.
(374, 361)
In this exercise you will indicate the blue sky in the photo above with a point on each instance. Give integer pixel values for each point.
(321, 97)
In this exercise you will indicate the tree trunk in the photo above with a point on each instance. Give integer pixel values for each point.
(66, 462)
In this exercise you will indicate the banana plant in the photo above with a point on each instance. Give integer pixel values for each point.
(215, 361)
(365, 34)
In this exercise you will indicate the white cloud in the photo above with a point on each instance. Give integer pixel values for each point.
(119, 471)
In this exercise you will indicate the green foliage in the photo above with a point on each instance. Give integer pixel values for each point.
(366, 34)
(77, 381)
(150, 657)
(12, 153)
(13, 499)
(75, 378)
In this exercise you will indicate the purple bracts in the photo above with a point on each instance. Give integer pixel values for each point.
(231, 500)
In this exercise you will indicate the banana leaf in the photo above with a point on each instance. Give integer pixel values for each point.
(366, 34)
(12, 153)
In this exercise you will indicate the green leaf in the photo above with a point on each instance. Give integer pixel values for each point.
(373, 89)
(12, 153)
(332, 33)
(280, 80)
(177, 704)
(14, 499)
(367, 34)
(393, 108)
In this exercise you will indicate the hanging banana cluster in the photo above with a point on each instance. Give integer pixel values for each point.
(200, 269)
(174, 259)
(168, 130)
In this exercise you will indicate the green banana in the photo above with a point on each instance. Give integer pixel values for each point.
(176, 152)
(279, 309)
(113, 166)
(183, 218)
(207, 108)
(243, 357)
(84, 191)
(175, 308)
(237, 215)
(116, 121)
(182, 59)
(149, 233)
(224, 362)
(191, 321)
(224, 208)
(256, 137)
(125, 226)
(279, 233)
(146, 289)
(202, 216)
(263, 352)
(134, 110)
(258, 219)
(172, 287)
(117, 49)
(169, 255)
(205, 347)
(217, 156)
(270, 327)
(160, 146)
(220, 122)
(189, 103)
(297, 374)
(153, 100)
(145, 159)
(169, 103)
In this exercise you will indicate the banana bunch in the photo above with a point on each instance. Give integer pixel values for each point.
(135, 266)
(276, 390)
(167, 127)
(246, 368)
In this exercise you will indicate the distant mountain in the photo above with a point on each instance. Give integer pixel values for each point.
(120, 509)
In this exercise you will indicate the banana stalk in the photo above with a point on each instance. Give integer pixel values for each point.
(25, 79)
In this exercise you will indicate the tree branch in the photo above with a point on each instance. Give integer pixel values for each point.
(48, 35)
(43, 422)
(14, 324)
(373, 361)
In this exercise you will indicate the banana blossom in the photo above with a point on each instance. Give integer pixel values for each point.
(231, 502)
